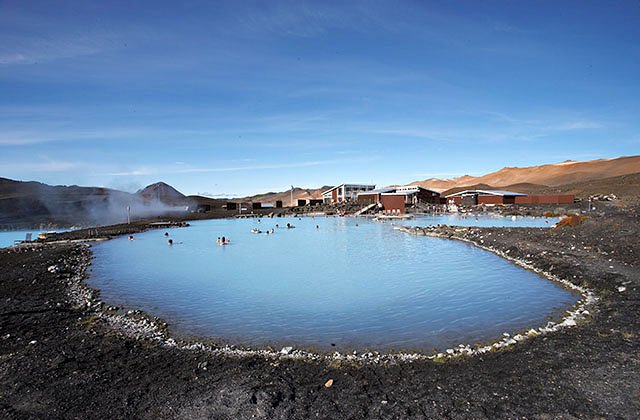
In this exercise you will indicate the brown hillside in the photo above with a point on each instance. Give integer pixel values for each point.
(626, 187)
(164, 193)
(285, 196)
(552, 174)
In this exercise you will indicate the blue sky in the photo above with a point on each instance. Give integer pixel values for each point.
(244, 97)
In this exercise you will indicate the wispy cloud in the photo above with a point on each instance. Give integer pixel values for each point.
(296, 19)
(48, 166)
(52, 135)
(144, 171)
(579, 125)
(32, 49)
(217, 195)
(40, 35)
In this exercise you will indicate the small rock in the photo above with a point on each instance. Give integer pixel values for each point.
(32, 342)
(621, 289)
(329, 383)
(286, 350)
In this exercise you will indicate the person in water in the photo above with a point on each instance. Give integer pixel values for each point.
(170, 242)
(166, 234)
(131, 237)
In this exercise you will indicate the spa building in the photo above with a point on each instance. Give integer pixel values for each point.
(475, 197)
(345, 192)
(393, 200)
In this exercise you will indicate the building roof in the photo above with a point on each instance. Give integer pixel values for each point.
(331, 189)
(350, 185)
(399, 193)
(487, 192)
(378, 191)
(408, 190)
(413, 188)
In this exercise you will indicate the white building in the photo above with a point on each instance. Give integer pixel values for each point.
(345, 192)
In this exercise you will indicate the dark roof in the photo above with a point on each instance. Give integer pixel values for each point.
(487, 192)
(378, 191)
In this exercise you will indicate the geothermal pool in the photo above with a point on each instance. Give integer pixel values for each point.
(487, 220)
(8, 237)
(348, 283)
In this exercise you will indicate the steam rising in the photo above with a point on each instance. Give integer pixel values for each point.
(33, 203)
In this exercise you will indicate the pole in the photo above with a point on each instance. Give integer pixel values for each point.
(292, 196)
(128, 215)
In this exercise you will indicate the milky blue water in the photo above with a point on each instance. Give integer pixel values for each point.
(350, 282)
(8, 237)
(488, 220)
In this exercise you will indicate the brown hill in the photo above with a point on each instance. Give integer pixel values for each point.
(626, 187)
(551, 174)
(285, 196)
(163, 193)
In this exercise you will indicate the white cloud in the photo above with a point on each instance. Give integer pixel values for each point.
(579, 125)
(161, 170)
(48, 166)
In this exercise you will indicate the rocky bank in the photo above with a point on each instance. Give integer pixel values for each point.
(65, 354)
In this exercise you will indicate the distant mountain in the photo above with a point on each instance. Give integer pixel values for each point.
(163, 193)
(32, 203)
(548, 175)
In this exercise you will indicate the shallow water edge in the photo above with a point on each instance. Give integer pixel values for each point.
(140, 325)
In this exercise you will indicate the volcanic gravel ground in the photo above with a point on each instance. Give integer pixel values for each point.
(60, 359)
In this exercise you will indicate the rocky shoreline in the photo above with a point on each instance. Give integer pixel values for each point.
(65, 354)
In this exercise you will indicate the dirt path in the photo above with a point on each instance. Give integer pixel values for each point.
(61, 359)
